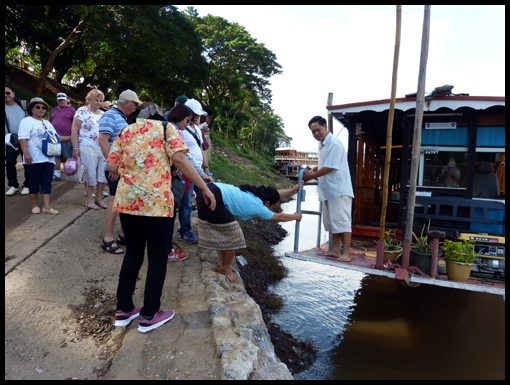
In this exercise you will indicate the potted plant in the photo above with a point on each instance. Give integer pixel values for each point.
(459, 257)
(392, 247)
(421, 252)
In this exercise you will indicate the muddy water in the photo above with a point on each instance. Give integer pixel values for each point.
(368, 327)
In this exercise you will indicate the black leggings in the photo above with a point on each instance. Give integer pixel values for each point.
(140, 231)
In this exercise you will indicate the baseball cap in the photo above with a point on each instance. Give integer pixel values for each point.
(195, 106)
(130, 96)
(181, 99)
(61, 95)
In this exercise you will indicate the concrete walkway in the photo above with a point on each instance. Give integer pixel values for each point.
(54, 265)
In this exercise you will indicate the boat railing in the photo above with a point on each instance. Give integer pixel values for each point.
(301, 198)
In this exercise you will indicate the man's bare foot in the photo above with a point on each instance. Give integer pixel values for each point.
(345, 258)
(230, 275)
(330, 253)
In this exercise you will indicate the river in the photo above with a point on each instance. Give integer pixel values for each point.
(370, 327)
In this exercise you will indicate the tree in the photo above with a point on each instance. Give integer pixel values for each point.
(239, 70)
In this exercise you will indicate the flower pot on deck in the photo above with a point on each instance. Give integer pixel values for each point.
(392, 255)
(422, 261)
(458, 271)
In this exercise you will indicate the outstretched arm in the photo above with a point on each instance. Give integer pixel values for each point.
(288, 191)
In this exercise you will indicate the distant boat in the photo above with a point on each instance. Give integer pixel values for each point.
(289, 161)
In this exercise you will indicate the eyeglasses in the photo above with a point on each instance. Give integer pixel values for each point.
(135, 103)
(41, 107)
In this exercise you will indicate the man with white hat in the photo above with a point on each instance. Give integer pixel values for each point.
(110, 125)
(61, 117)
(193, 138)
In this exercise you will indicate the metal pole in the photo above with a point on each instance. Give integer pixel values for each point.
(415, 160)
(298, 209)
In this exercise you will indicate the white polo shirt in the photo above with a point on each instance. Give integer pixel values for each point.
(332, 154)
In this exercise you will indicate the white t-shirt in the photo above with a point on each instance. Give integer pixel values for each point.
(194, 149)
(332, 154)
(31, 128)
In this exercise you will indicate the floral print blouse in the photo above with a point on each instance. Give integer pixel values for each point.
(145, 185)
(89, 129)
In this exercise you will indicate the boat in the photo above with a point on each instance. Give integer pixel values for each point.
(289, 161)
(460, 182)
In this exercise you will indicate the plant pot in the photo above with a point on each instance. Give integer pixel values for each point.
(392, 255)
(458, 271)
(423, 261)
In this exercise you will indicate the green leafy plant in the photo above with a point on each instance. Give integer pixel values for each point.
(391, 244)
(421, 243)
(459, 251)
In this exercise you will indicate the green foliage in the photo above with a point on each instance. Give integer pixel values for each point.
(459, 251)
(160, 53)
(421, 244)
(391, 244)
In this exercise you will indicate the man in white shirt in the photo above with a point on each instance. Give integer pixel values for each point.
(193, 138)
(335, 188)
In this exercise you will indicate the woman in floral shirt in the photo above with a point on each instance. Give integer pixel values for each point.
(144, 200)
(85, 140)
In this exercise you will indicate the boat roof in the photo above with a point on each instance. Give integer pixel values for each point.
(431, 104)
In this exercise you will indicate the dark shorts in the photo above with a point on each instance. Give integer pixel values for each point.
(40, 176)
(111, 185)
(67, 150)
(220, 214)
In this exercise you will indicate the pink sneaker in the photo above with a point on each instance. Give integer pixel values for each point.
(160, 318)
(176, 256)
(123, 319)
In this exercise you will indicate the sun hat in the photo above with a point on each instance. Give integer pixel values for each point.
(181, 99)
(61, 96)
(130, 96)
(195, 106)
(35, 101)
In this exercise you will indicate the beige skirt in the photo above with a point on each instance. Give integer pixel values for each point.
(225, 236)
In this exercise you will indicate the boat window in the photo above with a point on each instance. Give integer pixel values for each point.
(443, 168)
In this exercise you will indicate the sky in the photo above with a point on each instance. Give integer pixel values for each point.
(348, 50)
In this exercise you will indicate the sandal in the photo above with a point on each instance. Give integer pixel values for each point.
(108, 246)
(50, 211)
(91, 205)
(121, 240)
(101, 203)
(36, 210)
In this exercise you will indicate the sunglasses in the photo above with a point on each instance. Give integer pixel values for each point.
(40, 107)
(7, 93)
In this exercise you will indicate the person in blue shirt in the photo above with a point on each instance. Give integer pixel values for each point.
(219, 230)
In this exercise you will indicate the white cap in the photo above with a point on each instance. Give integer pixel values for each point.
(195, 106)
(61, 96)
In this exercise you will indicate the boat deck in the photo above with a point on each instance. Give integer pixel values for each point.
(363, 259)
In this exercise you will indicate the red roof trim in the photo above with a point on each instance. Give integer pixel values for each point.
(411, 99)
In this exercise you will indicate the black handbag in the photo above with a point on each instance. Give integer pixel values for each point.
(14, 137)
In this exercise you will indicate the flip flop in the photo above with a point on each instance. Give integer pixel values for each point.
(36, 210)
(50, 211)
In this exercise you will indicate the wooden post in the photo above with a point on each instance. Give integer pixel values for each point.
(330, 117)
(415, 159)
(389, 132)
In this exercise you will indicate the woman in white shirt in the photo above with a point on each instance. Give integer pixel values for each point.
(39, 167)
(85, 140)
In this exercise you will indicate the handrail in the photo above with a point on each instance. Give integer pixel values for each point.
(301, 198)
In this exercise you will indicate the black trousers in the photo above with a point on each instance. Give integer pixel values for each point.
(11, 157)
(139, 232)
